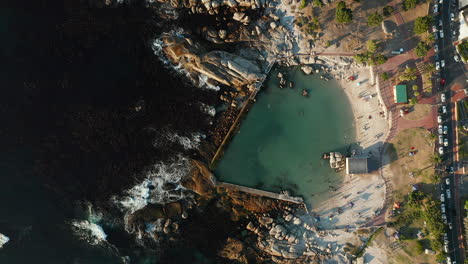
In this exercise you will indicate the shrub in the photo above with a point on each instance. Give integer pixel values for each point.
(361, 58)
(388, 11)
(413, 101)
(342, 13)
(422, 24)
(414, 87)
(409, 74)
(374, 19)
(378, 59)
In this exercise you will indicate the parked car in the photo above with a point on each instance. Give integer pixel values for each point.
(456, 58)
(454, 34)
(437, 65)
(442, 98)
(441, 1)
(450, 226)
(436, 8)
(448, 194)
(441, 131)
(442, 63)
(441, 152)
(445, 130)
(445, 142)
(442, 208)
(436, 36)
(449, 260)
(439, 119)
(452, 16)
(446, 249)
(434, 28)
(441, 140)
(444, 109)
(440, 23)
(444, 218)
(436, 48)
(447, 181)
(441, 33)
(442, 197)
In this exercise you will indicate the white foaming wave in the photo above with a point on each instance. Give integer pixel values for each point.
(3, 240)
(208, 109)
(151, 191)
(89, 232)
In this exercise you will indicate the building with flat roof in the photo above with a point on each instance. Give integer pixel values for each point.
(356, 165)
(400, 94)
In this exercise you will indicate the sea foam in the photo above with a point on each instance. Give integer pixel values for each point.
(3, 240)
(152, 189)
(89, 232)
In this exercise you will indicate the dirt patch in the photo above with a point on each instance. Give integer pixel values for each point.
(406, 169)
(417, 112)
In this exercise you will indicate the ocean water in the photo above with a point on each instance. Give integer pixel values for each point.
(281, 141)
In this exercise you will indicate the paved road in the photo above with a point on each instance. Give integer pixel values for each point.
(455, 75)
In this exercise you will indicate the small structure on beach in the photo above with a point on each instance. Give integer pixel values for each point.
(356, 165)
(336, 160)
(400, 94)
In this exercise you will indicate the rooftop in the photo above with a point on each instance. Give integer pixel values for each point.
(400, 94)
(356, 165)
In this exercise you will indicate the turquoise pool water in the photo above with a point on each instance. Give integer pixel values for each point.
(280, 143)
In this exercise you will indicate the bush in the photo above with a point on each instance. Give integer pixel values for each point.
(422, 24)
(385, 76)
(372, 45)
(409, 74)
(413, 101)
(388, 11)
(414, 87)
(361, 58)
(378, 59)
(417, 94)
(422, 48)
(318, 3)
(342, 13)
(409, 4)
(374, 19)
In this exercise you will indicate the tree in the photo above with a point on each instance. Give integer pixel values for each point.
(409, 4)
(417, 94)
(318, 3)
(435, 159)
(303, 4)
(361, 58)
(327, 44)
(422, 48)
(388, 11)
(415, 87)
(378, 59)
(423, 24)
(413, 101)
(374, 19)
(342, 13)
(463, 50)
(385, 76)
(429, 67)
(409, 74)
(372, 45)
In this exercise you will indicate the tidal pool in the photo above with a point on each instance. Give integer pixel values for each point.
(281, 141)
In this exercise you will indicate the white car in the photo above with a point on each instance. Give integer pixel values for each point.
(442, 198)
(439, 119)
(442, 208)
(441, 140)
(440, 130)
(436, 9)
(450, 226)
(445, 142)
(442, 63)
(442, 98)
(441, 152)
(437, 66)
(454, 34)
(444, 217)
(436, 48)
(452, 16)
(441, 1)
(440, 23)
(447, 181)
(448, 194)
(444, 109)
(445, 130)
(441, 34)
(449, 260)
(456, 58)
(446, 249)
(434, 28)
